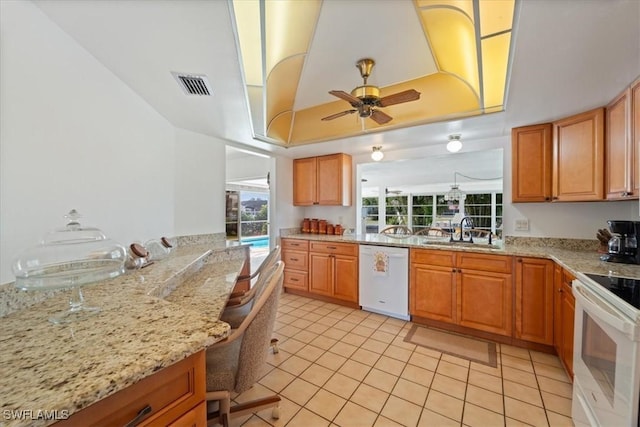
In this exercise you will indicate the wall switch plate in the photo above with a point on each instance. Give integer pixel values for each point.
(522, 224)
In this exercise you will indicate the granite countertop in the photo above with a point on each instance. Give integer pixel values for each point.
(577, 256)
(149, 319)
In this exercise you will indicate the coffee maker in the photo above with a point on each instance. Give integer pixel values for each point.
(623, 245)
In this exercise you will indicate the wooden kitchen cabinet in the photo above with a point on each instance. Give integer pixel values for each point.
(578, 157)
(534, 302)
(295, 255)
(531, 153)
(635, 137)
(473, 290)
(174, 394)
(333, 270)
(324, 180)
(564, 312)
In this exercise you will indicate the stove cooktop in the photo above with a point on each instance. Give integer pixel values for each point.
(625, 288)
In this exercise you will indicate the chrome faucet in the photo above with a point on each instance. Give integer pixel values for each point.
(469, 221)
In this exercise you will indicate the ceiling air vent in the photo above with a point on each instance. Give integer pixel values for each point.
(193, 84)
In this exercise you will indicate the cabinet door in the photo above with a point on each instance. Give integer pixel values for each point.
(433, 292)
(304, 182)
(618, 148)
(345, 284)
(557, 308)
(334, 180)
(485, 301)
(635, 138)
(534, 300)
(568, 313)
(578, 157)
(321, 273)
(531, 163)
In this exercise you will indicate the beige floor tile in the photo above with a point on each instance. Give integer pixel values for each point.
(344, 326)
(317, 328)
(365, 331)
(341, 385)
(452, 370)
(389, 365)
(314, 316)
(299, 312)
(556, 387)
(524, 412)
(518, 376)
(557, 420)
(510, 422)
(299, 391)
(370, 397)
(365, 356)
(310, 352)
(418, 375)
(399, 341)
(338, 315)
(522, 392)
(517, 363)
(496, 372)
(383, 336)
(455, 360)
(353, 415)
(398, 353)
(291, 345)
(323, 342)
(322, 311)
(288, 330)
(305, 336)
(372, 323)
(256, 421)
(374, 345)
(475, 416)
(546, 358)
(284, 309)
(258, 391)
(307, 418)
(381, 380)
(325, 404)
(389, 328)
(278, 358)
(331, 361)
(557, 404)
(286, 319)
(295, 365)
(353, 369)
(428, 352)
(343, 349)
(354, 339)
(401, 411)
(423, 361)
(551, 372)
(450, 386)
(411, 391)
(277, 380)
(445, 405)
(327, 321)
(485, 399)
(385, 422)
(485, 381)
(334, 333)
(317, 375)
(287, 410)
(301, 323)
(433, 419)
(522, 353)
(353, 318)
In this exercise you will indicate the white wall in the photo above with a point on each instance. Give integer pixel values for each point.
(284, 214)
(247, 167)
(74, 136)
(199, 184)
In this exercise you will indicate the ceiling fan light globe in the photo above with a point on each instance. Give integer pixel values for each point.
(454, 146)
(377, 154)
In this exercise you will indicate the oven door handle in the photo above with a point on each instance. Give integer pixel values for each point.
(602, 310)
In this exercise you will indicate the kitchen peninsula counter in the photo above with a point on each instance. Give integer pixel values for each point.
(149, 319)
(569, 253)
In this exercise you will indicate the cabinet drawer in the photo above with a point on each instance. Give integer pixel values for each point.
(334, 248)
(170, 393)
(297, 260)
(296, 279)
(429, 257)
(482, 262)
(297, 244)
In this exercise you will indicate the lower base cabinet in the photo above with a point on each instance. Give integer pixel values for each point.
(564, 312)
(333, 270)
(534, 285)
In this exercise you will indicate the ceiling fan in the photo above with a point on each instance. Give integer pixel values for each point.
(366, 100)
(396, 192)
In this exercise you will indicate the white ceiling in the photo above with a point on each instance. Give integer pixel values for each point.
(569, 56)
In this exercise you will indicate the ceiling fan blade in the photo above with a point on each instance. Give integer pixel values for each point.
(399, 98)
(335, 116)
(380, 118)
(347, 97)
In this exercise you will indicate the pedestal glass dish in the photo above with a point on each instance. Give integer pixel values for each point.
(69, 258)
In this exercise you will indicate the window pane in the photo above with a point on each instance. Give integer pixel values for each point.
(397, 210)
(421, 212)
(370, 214)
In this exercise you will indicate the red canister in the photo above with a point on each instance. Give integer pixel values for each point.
(305, 225)
(330, 229)
(322, 226)
(337, 230)
(314, 226)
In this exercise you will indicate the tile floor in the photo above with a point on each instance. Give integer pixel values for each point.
(343, 367)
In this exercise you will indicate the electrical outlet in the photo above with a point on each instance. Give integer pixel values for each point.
(522, 224)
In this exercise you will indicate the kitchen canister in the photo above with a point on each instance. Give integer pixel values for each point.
(306, 225)
(314, 226)
(330, 229)
(322, 226)
(337, 230)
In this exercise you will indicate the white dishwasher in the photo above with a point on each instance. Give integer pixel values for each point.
(384, 280)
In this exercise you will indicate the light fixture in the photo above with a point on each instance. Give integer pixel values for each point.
(455, 194)
(377, 153)
(454, 145)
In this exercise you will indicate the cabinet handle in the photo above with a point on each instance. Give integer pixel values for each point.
(560, 290)
(141, 414)
(554, 198)
(294, 244)
(331, 247)
(293, 259)
(316, 203)
(519, 259)
(294, 280)
(547, 199)
(453, 270)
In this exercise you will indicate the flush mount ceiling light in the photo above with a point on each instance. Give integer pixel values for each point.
(454, 145)
(377, 153)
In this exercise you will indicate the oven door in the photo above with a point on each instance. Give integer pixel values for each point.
(605, 362)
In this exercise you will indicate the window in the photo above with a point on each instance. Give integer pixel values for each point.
(421, 212)
(370, 214)
(478, 207)
(397, 212)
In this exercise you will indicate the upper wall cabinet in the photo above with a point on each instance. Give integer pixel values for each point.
(578, 157)
(621, 168)
(323, 180)
(531, 151)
